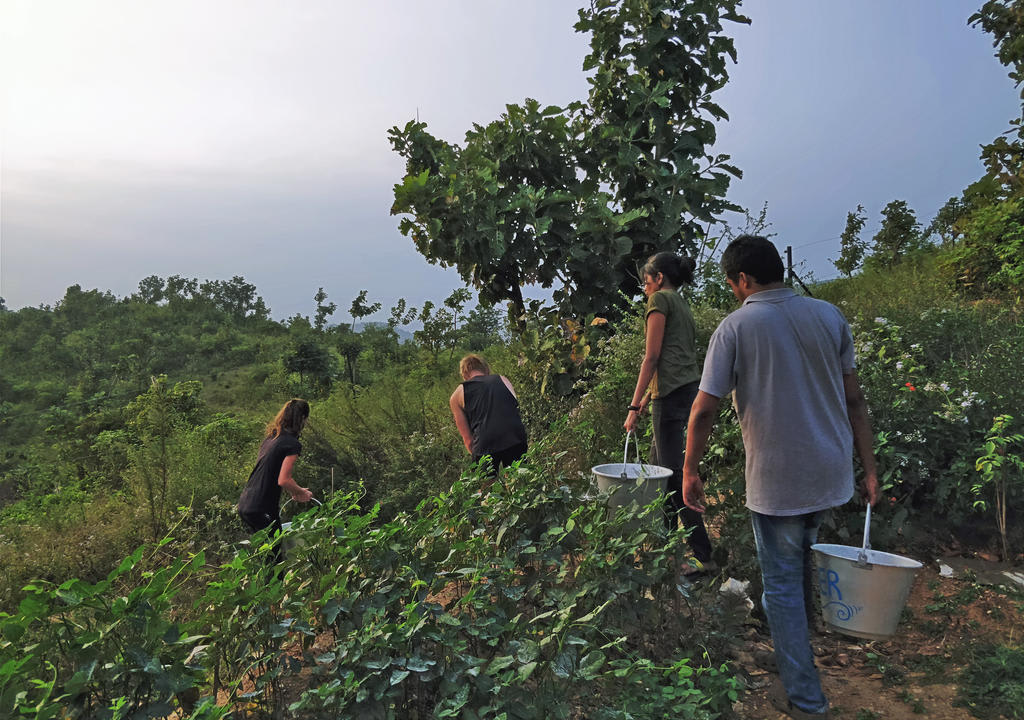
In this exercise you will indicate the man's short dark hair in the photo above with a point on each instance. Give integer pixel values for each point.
(754, 255)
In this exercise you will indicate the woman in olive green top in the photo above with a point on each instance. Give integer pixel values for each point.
(671, 370)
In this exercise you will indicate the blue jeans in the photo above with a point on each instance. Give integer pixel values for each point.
(784, 552)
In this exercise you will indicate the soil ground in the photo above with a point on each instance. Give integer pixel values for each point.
(914, 674)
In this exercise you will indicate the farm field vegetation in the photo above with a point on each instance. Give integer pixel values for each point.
(128, 426)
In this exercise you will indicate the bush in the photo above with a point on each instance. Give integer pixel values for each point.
(992, 685)
(526, 601)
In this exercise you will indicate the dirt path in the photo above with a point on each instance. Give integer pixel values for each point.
(914, 674)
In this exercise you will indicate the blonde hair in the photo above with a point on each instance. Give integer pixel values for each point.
(473, 363)
(289, 419)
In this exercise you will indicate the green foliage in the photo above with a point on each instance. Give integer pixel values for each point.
(156, 419)
(936, 369)
(992, 685)
(851, 247)
(315, 366)
(323, 310)
(580, 195)
(947, 221)
(990, 258)
(899, 235)
(528, 602)
(1002, 472)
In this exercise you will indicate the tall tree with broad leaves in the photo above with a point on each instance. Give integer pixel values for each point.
(577, 197)
(851, 247)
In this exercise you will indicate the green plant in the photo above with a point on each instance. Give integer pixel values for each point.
(993, 683)
(915, 703)
(891, 674)
(1001, 470)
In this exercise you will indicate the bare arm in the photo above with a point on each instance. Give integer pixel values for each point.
(863, 437)
(288, 484)
(698, 430)
(652, 353)
(457, 404)
(508, 385)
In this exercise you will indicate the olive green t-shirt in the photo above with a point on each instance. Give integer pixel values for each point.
(677, 365)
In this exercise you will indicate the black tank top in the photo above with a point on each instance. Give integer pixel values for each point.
(493, 414)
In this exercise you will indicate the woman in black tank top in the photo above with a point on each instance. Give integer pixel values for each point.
(486, 412)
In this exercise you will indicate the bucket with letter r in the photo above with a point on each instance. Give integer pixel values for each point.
(863, 591)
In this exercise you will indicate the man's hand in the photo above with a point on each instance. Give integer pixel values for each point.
(302, 495)
(871, 492)
(693, 491)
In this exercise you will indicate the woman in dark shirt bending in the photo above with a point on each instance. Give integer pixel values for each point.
(259, 505)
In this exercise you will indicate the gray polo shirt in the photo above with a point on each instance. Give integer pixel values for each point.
(785, 355)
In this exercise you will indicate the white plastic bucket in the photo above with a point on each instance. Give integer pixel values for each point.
(863, 591)
(630, 483)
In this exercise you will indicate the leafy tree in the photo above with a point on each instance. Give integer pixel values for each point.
(990, 258)
(578, 196)
(851, 247)
(151, 289)
(360, 308)
(156, 417)
(236, 297)
(323, 311)
(179, 289)
(350, 347)
(3, 306)
(315, 366)
(436, 333)
(456, 303)
(80, 308)
(946, 223)
(900, 233)
(401, 314)
(482, 328)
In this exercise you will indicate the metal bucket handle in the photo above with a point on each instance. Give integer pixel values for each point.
(862, 556)
(318, 503)
(625, 455)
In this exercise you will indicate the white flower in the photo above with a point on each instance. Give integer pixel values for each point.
(881, 320)
(899, 365)
(943, 387)
(965, 404)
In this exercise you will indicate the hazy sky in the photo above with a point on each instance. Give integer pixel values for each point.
(216, 138)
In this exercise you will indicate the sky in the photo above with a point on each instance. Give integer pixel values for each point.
(214, 138)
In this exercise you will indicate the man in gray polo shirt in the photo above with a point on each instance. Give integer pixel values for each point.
(802, 412)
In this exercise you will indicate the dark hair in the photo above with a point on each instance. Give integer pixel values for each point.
(473, 363)
(678, 270)
(289, 419)
(754, 255)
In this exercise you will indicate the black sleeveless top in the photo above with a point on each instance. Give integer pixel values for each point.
(493, 414)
